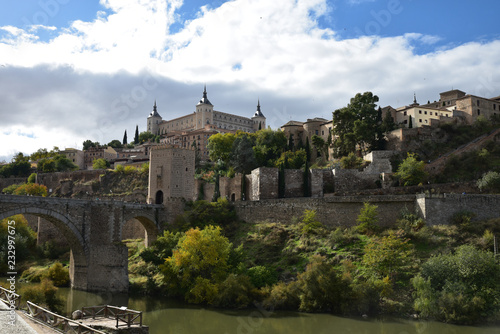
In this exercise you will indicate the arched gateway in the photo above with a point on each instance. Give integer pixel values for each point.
(93, 230)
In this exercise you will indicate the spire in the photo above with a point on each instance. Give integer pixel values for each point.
(258, 113)
(204, 99)
(414, 97)
(154, 113)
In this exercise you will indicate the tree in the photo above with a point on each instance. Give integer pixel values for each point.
(58, 163)
(268, 147)
(367, 219)
(145, 137)
(100, 164)
(197, 155)
(290, 159)
(124, 142)
(20, 167)
(411, 171)
(220, 147)
(356, 125)
(321, 146)
(89, 143)
(459, 288)
(115, 143)
(410, 122)
(390, 256)
(31, 189)
(136, 137)
(198, 264)
(388, 123)
(242, 154)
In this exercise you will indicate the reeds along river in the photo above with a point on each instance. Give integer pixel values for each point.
(164, 316)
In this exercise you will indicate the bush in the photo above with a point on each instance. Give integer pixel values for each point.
(490, 182)
(44, 295)
(32, 178)
(284, 296)
(368, 219)
(119, 168)
(411, 172)
(32, 189)
(261, 276)
(234, 292)
(309, 223)
(58, 274)
(351, 162)
(461, 288)
(10, 189)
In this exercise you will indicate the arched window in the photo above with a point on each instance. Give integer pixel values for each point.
(159, 197)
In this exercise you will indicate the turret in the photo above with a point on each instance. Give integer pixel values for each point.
(154, 120)
(204, 111)
(259, 120)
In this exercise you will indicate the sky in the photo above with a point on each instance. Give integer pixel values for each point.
(75, 70)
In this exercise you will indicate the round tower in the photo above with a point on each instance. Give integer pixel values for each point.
(154, 120)
(259, 120)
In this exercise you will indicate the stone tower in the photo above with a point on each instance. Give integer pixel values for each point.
(204, 111)
(154, 120)
(171, 174)
(259, 120)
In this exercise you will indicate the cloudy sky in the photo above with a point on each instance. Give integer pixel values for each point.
(74, 70)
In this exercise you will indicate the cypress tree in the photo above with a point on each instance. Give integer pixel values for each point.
(281, 181)
(306, 185)
(136, 138)
(125, 138)
(308, 150)
(410, 123)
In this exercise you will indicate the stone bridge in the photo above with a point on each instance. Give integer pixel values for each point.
(99, 260)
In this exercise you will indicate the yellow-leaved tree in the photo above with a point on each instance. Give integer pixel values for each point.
(198, 264)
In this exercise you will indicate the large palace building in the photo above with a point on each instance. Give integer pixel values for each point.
(201, 124)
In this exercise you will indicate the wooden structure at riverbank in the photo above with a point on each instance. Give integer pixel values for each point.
(113, 319)
(10, 298)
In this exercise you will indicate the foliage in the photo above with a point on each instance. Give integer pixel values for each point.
(44, 295)
(292, 159)
(161, 248)
(203, 213)
(242, 154)
(136, 136)
(57, 163)
(144, 169)
(268, 147)
(145, 137)
(32, 178)
(459, 288)
(284, 296)
(234, 292)
(24, 237)
(309, 223)
(198, 264)
(100, 164)
(391, 256)
(321, 146)
(411, 171)
(58, 274)
(31, 189)
(410, 221)
(220, 146)
(367, 219)
(490, 182)
(356, 125)
(115, 143)
(19, 167)
(10, 189)
(261, 276)
(351, 161)
(42, 153)
(89, 143)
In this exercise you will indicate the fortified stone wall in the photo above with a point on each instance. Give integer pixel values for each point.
(348, 179)
(331, 211)
(263, 183)
(5, 182)
(440, 209)
(294, 180)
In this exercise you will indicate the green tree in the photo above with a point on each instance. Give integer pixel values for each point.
(19, 167)
(32, 178)
(268, 147)
(198, 264)
(24, 237)
(57, 163)
(220, 147)
(390, 255)
(410, 122)
(291, 159)
(411, 171)
(89, 143)
(136, 137)
(32, 189)
(145, 137)
(367, 219)
(388, 123)
(356, 125)
(459, 288)
(124, 142)
(321, 146)
(115, 143)
(351, 161)
(100, 164)
(242, 154)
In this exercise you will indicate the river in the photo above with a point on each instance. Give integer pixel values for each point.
(165, 316)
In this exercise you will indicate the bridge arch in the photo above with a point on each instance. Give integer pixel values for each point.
(78, 257)
(150, 226)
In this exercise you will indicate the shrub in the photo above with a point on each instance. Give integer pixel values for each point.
(490, 182)
(261, 276)
(32, 178)
(33, 189)
(44, 295)
(234, 292)
(411, 171)
(58, 274)
(119, 168)
(309, 223)
(130, 170)
(460, 288)
(10, 189)
(368, 219)
(284, 296)
(351, 162)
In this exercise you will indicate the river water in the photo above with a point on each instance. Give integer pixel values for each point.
(164, 316)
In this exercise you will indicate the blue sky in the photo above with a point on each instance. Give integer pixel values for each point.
(75, 70)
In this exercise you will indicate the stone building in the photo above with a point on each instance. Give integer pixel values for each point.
(171, 173)
(452, 105)
(76, 156)
(93, 153)
(201, 124)
(299, 132)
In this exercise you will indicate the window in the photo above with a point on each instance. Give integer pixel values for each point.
(404, 114)
(479, 112)
(420, 111)
(322, 132)
(494, 107)
(420, 120)
(316, 132)
(431, 113)
(477, 103)
(425, 112)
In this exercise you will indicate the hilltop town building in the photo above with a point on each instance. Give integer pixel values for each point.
(298, 133)
(453, 104)
(201, 124)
